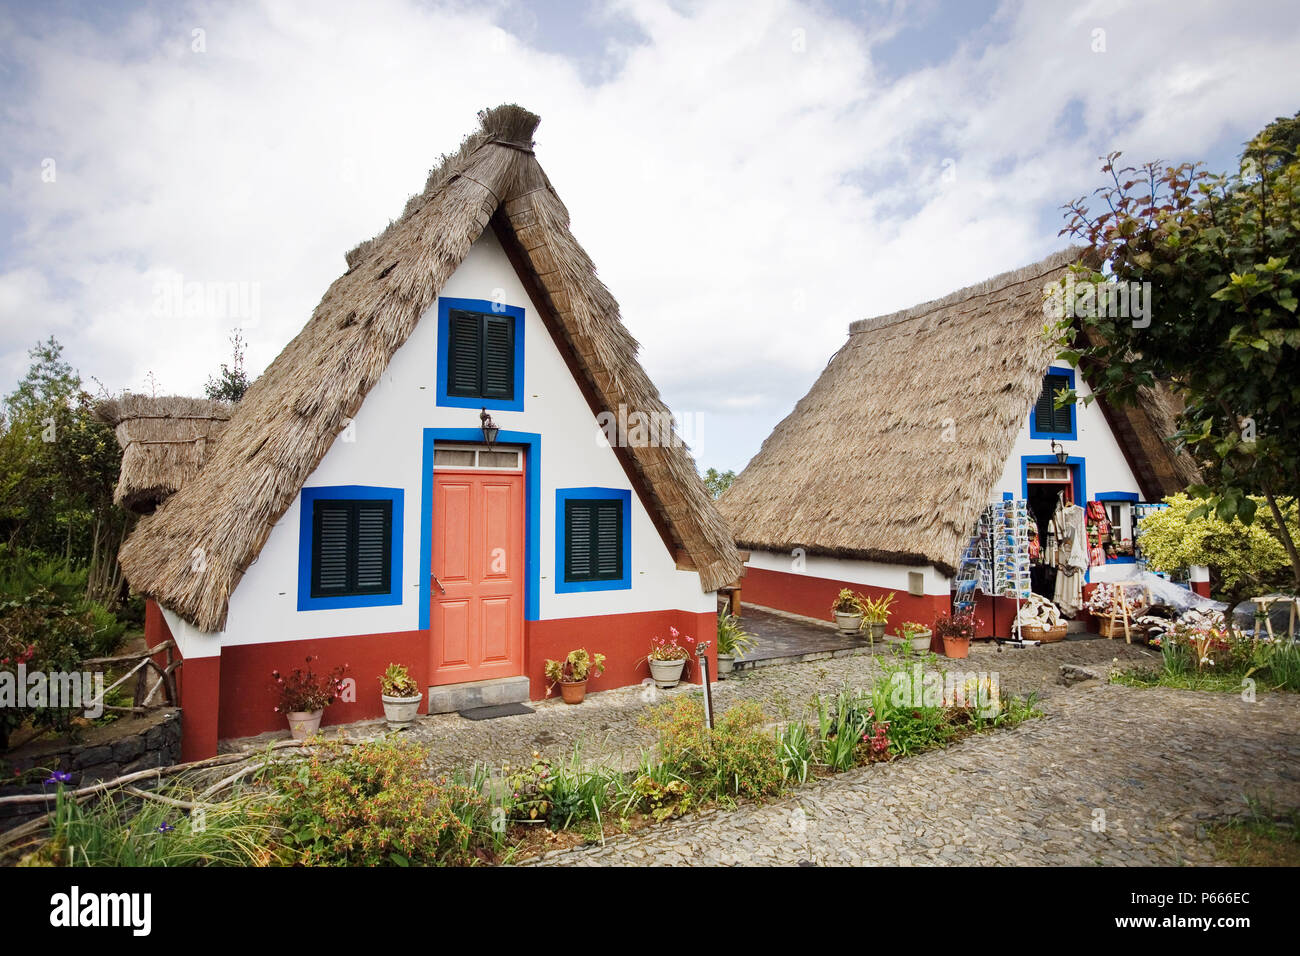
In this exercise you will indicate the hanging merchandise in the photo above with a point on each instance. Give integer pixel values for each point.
(997, 559)
(1071, 556)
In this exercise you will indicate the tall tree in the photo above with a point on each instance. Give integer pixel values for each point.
(1218, 258)
(58, 468)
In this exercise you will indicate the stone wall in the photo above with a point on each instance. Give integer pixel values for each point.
(102, 753)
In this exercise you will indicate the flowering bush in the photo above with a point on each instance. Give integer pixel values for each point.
(668, 649)
(956, 627)
(374, 804)
(304, 691)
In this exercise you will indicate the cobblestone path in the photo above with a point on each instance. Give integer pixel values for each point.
(1143, 766)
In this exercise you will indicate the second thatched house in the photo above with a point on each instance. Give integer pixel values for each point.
(920, 421)
(448, 468)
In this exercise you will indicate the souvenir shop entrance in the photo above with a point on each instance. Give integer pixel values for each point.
(1045, 487)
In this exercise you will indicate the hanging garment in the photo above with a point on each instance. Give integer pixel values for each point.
(1072, 557)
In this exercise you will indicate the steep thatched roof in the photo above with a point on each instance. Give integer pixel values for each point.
(290, 416)
(164, 440)
(897, 447)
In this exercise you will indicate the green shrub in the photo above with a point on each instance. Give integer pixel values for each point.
(373, 804)
(737, 758)
(559, 794)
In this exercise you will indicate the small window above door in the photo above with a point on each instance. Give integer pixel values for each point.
(477, 457)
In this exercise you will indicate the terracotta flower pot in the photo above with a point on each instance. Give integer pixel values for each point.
(573, 691)
(667, 674)
(956, 647)
(304, 723)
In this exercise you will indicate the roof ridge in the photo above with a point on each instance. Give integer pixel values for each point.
(997, 283)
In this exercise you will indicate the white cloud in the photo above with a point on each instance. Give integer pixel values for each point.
(745, 198)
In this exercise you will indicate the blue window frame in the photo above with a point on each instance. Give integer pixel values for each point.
(487, 370)
(592, 552)
(1047, 421)
(350, 548)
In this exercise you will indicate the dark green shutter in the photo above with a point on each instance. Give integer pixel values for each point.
(351, 548)
(1047, 416)
(498, 357)
(481, 356)
(464, 351)
(593, 540)
(331, 546)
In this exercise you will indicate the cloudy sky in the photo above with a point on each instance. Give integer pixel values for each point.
(749, 176)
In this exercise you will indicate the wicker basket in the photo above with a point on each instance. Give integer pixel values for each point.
(1045, 634)
(1108, 630)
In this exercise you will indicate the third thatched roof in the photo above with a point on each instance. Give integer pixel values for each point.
(164, 439)
(291, 415)
(896, 449)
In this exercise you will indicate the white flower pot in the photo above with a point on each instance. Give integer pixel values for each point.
(726, 664)
(848, 623)
(667, 674)
(304, 723)
(400, 711)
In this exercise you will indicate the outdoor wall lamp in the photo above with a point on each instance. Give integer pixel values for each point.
(489, 427)
(1061, 454)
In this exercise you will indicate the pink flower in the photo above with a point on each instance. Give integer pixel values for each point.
(673, 631)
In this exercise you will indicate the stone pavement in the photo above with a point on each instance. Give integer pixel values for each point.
(1111, 775)
(1146, 765)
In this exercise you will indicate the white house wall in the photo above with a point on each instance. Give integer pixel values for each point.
(1105, 468)
(852, 571)
(386, 451)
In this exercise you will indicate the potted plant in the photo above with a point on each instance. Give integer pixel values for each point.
(875, 615)
(848, 611)
(572, 674)
(667, 659)
(956, 633)
(918, 635)
(733, 642)
(401, 696)
(304, 695)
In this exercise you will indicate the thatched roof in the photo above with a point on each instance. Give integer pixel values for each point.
(290, 416)
(164, 440)
(897, 447)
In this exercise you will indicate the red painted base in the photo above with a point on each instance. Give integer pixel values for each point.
(234, 695)
(1201, 587)
(812, 597)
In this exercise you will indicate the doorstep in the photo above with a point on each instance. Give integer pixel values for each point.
(449, 698)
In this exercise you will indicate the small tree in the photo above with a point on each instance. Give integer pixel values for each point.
(231, 384)
(1246, 559)
(1219, 260)
(718, 481)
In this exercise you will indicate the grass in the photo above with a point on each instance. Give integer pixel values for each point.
(115, 829)
(1271, 667)
(1265, 837)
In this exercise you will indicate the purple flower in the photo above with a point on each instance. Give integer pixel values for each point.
(165, 827)
(59, 777)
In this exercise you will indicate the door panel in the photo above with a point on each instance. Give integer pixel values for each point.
(476, 618)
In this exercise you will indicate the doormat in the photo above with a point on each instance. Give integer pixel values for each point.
(495, 710)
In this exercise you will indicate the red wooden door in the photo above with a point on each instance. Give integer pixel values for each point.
(476, 619)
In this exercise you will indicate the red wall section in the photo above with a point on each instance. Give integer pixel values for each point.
(248, 696)
(812, 596)
(624, 639)
(994, 616)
